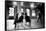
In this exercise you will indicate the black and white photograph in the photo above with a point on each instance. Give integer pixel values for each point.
(24, 15)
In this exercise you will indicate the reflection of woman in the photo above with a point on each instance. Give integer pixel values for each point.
(16, 19)
(39, 18)
(27, 19)
(20, 19)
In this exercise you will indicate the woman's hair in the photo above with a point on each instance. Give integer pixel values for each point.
(22, 13)
(25, 13)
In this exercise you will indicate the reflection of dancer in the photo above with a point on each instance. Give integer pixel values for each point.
(39, 16)
(18, 20)
(26, 21)
(27, 18)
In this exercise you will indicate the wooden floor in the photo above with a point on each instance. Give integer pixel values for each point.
(34, 25)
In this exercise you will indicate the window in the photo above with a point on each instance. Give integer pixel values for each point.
(33, 13)
(11, 11)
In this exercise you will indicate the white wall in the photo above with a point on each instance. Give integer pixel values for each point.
(10, 24)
